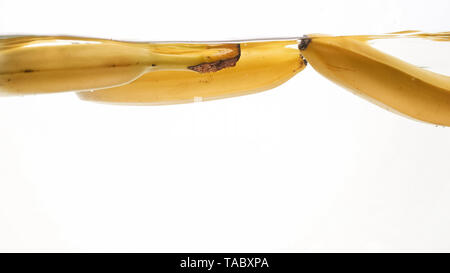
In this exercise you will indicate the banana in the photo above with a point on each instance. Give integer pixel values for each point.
(165, 73)
(383, 79)
(262, 65)
(32, 65)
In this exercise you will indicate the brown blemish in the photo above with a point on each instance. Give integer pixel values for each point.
(304, 60)
(28, 70)
(153, 64)
(9, 80)
(217, 65)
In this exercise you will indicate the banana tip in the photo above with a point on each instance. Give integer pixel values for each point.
(304, 42)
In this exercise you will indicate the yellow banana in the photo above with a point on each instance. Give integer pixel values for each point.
(262, 65)
(165, 73)
(31, 65)
(379, 77)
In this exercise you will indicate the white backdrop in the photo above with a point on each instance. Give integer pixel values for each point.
(304, 167)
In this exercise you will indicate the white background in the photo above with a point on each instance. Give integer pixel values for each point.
(304, 167)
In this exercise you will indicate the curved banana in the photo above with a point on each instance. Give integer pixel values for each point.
(166, 73)
(379, 77)
(31, 65)
(262, 66)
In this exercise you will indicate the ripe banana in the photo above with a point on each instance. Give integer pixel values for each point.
(262, 66)
(383, 79)
(165, 73)
(31, 65)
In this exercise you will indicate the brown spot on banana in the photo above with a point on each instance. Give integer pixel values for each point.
(217, 65)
